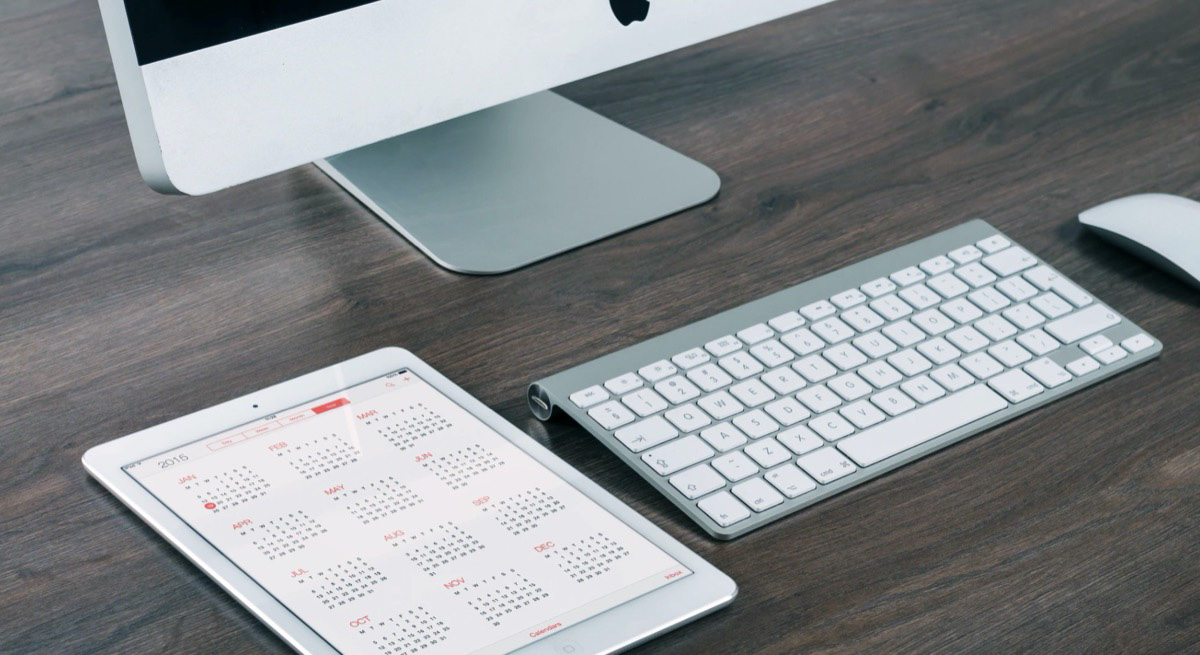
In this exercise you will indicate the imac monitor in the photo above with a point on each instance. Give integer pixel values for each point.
(434, 114)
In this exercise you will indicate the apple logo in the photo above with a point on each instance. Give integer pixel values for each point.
(630, 11)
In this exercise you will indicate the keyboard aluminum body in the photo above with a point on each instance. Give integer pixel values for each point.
(781, 452)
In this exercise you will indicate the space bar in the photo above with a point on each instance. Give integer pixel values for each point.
(921, 425)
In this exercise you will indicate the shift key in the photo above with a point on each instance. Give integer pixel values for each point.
(1083, 323)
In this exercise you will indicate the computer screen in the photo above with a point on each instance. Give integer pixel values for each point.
(167, 28)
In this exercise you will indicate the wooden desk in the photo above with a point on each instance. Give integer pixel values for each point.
(839, 133)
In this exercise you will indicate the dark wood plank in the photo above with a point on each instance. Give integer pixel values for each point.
(838, 133)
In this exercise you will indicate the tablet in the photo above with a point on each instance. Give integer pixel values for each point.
(375, 507)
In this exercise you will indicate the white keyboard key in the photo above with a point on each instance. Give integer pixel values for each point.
(611, 415)
(891, 307)
(966, 254)
(724, 509)
(1083, 323)
(1048, 373)
(904, 333)
(880, 374)
(756, 424)
(849, 298)
(1083, 366)
(772, 353)
(995, 327)
(1038, 342)
(1093, 345)
(723, 437)
(819, 398)
(646, 434)
(952, 377)
(720, 405)
(975, 275)
(752, 392)
(688, 418)
(910, 362)
(1137, 343)
(1016, 386)
(589, 397)
(937, 265)
(993, 243)
(1051, 305)
(658, 370)
(790, 481)
(709, 377)
(874, 345)
(832, 330)
(893, 402)
(907, 276)
(786, 322)
(735, 466)
(876, 288)
(815, 368)
(981, 366)
(989, 300)
(759, 495)
(1012, 260)
(696, 482)
(677, 390)
(826, 465)
(920, 296)
(967, 339)
(1111, 355)
(1047, 280)
(1017, 289)
(939, 351)
(691, 358)
(923, 424)
(850, 386)
(923, 389)
(1024, 316)
(723, 346)
(1010, 353)
(623, 383)
(845, 356)
(933, 322)
(818, 310)
(1042, 277)
(800, 439)
(1075, 295)
(644, 402)
(831, 426)
(783, 381)
(755, 333)
(787, 411)
(948, 286)
(768, 453)
(677, 455)
(803, 342)
(961, 310)
(862, 414)
(741, 365)
(863, 319)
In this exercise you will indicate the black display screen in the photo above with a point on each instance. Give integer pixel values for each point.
(167, 28)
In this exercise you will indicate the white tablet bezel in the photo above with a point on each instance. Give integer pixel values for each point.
(706, 590)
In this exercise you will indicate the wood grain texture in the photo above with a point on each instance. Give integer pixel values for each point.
(838, 133)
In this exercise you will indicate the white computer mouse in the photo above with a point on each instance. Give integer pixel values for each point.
(1162, 229)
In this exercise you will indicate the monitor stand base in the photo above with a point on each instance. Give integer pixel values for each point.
(508, 186)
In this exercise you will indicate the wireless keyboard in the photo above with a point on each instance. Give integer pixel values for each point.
(767, 408)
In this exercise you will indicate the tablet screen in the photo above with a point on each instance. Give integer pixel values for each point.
(392, 520)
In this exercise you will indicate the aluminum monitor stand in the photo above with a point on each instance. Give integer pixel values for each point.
(514, 184)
